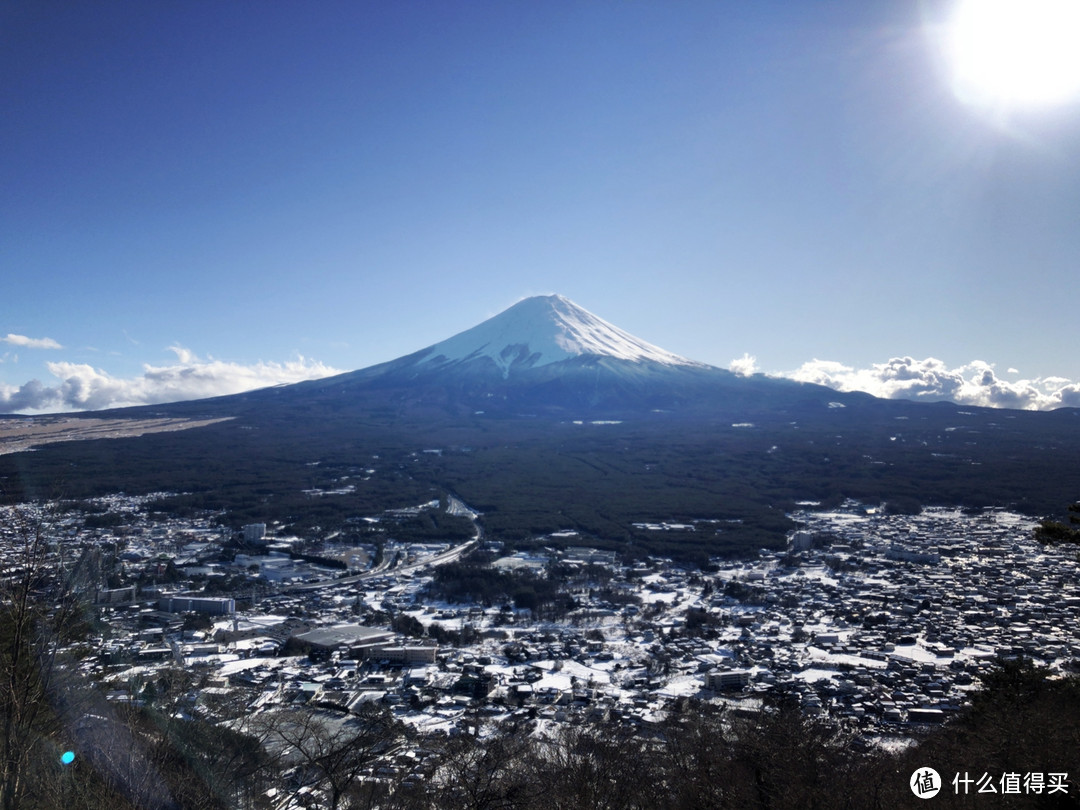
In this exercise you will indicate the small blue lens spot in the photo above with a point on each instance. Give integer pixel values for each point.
(68, 757)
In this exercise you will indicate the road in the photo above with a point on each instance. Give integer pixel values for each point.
(455, 506)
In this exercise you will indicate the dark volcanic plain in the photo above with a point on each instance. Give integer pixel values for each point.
(593, 451)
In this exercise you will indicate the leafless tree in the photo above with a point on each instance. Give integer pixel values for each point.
(596, 768)
(325, 750)
(46, 707)
(491, 773)
(36, 612)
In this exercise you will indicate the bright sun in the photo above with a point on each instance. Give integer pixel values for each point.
(1008, 53)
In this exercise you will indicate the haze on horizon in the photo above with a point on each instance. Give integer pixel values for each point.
(199, 200)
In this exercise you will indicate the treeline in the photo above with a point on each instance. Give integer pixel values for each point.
(1023, 722)
(474, 581)
(1052, 532)
(699, 757)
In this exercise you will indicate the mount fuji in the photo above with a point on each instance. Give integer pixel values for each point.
(547, 354)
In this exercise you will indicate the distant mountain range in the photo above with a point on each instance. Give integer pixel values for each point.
(546, 417)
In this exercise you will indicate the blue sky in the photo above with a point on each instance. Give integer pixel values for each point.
(200, 197)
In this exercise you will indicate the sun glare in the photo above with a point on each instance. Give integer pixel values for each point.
(1008, 53)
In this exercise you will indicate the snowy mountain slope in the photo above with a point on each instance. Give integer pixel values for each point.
(541, 330)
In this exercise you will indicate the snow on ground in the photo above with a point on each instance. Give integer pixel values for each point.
(822, 574)
(553, 680)
(681, 685)
(977, 651)
(241, 622)
(813, 674)
(916, 652)
(666, 597)
(231, 664)
(432, 722)
(561, 678)
(823, 656)
(131, 673)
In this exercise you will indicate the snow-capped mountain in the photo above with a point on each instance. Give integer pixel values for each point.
(547, 354)
(543, 355)
(541, 330)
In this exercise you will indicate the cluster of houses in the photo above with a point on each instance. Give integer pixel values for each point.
(881, 620)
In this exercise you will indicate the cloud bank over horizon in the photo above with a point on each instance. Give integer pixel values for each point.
(82, 387)
(931, 380)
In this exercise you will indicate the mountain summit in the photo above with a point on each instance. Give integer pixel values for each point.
(539, 331)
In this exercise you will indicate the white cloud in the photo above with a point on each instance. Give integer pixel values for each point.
(931, 380)
(80, 386)
(185, 356)
(30, 343)
(83, 387)
(1069, 395)
(744, 366)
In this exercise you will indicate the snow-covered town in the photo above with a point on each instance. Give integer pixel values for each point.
(884, 619)
(881, 622)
